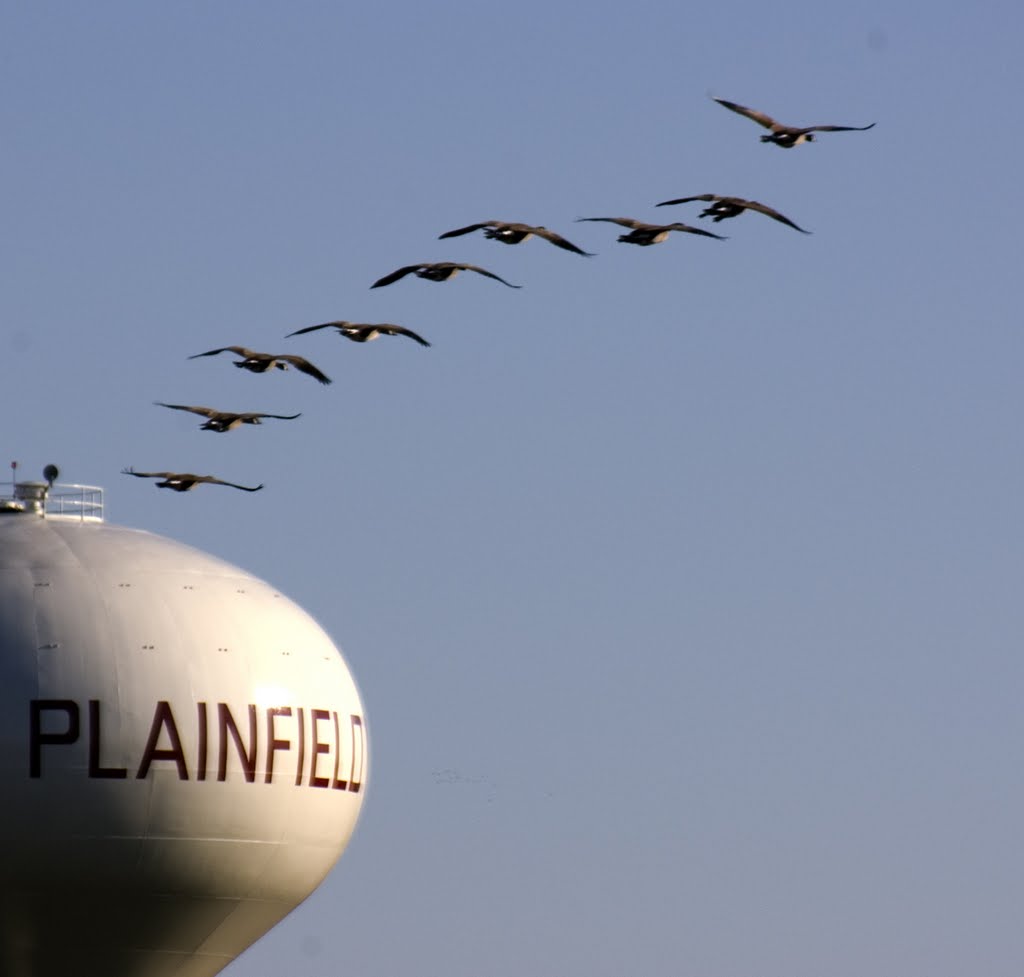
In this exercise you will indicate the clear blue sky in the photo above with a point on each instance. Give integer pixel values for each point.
(683, 585)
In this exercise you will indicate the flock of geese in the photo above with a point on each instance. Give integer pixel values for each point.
(639, 232)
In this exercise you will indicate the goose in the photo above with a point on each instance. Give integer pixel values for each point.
(261, 362)
(515, 233)
(648, 234)
(362, 332)
(786, 136)
(222, 420)
(437, 271)
(723, 207)
(183, 481)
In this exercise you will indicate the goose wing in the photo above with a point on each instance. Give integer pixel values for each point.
(214, 480)
(459, 231)
(621, 221)
(391, 330)
(838, 128)
(304, 366)
(395, 275)
(205, 411)
(239, 350)
(559, 242)
(693, 230)
(131, 471)
(773, 214)
(759, 117)
(488, 274)
(337, 324)
(706, 197)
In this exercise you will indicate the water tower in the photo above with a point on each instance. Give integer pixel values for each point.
(183, 750)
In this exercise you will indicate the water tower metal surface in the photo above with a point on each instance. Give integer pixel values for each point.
(182, 749)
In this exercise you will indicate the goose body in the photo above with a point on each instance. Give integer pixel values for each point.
(363, 332)
(222, 420)
(644, 234)
(437, 271)
(782, 135)
(261, 362)
(512, 233)
(185, 481)
(724, 207)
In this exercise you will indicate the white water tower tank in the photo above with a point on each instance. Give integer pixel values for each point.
(183, 751)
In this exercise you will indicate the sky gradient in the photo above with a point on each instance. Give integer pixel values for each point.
(680, 583)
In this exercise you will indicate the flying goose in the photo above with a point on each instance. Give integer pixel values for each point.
(222, 420)
(647, 234)
(437, 271)
(183, 481)
(786, 136)
(515, 233)
(723, 207)
(363, 332)
(261, 362)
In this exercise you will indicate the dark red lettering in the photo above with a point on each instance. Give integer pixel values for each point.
(302, 746)
(163, 718)
(227, 725)
(204, 737)
(335, 783)
(355, 781)
(95, 770)
(315, 716)
(274, 744)
(37, 739)
(164, 742)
